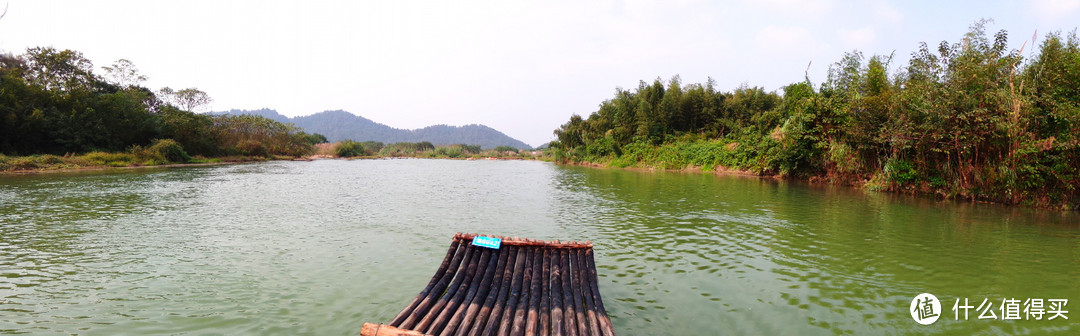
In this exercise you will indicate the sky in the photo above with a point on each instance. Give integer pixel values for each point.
(522, 67)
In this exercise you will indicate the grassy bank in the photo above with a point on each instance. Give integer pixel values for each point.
(159, 153)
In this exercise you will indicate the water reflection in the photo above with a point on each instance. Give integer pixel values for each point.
(768, 257)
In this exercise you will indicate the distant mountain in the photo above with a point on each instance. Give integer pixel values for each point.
(340, 125)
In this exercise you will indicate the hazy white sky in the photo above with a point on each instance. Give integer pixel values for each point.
(522, 67)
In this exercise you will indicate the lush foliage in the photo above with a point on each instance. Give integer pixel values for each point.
(968, 120)
(373, 149)
(51, 101)
(349, 148)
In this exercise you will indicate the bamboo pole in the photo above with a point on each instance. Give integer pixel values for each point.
(545, 295)
(488, 312)
(575, 285)
(518, 326)
(570, 321)
(372, 329)
(451, 290)
(434, 294)
(468, 237)
(557, 315)
(471, 297)
(586, 293)
(534, 293)
(509, 311)
(476, 313)
(601, 313)
(458, 293)
(434, 279)
(504, 291)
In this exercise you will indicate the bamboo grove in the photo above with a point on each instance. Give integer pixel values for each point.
(52, 102)
(968, 120)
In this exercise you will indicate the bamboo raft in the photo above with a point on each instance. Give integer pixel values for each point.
(526, 287)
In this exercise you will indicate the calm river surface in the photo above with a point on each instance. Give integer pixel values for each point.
(321, 247)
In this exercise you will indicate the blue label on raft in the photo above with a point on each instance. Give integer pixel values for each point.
(488, 242)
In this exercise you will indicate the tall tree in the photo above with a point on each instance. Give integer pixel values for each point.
(189, 99)
(61, 70)
(124, 74)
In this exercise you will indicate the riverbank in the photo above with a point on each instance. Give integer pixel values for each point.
(710, 157)
(948, 126)
(47, 163)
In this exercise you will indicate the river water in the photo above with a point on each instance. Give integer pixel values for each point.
(321, 247)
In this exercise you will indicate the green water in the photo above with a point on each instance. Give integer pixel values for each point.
(321, 247)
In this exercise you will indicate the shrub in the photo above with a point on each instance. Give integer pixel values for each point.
(452, 152)
(901, 171)
(504, 149)
(349, 148)
(170, 150)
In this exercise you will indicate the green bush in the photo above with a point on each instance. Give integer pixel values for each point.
(901, 171)
(170, 150)
(349, 148)
(504, 149)
(452, 152)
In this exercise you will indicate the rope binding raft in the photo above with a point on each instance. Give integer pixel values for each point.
(514, 286)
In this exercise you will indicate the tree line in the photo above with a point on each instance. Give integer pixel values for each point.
(970, 119)
(52, 102)
(423, 149)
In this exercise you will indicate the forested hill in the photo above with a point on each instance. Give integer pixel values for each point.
(340, 125)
